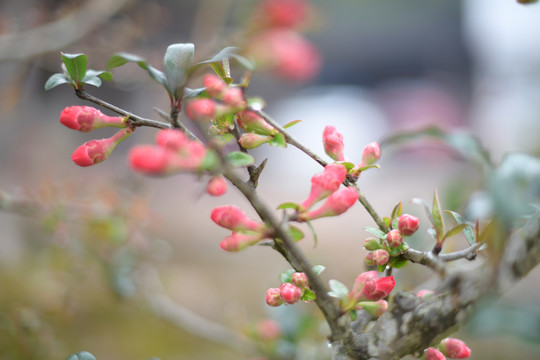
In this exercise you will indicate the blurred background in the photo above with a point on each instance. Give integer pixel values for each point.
(129, 267)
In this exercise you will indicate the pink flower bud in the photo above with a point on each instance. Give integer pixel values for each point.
(240, 241)
(374, 308)
(371, 244)
(173, 139)
(290, 293)
(215, 87)
(87, 118)
(336, 204)
(216, 186)
(369, 259)
(232, 218)
(250, 122)
(201, 109)
(394, 238)
(325, 183)
(433, 354)
(422, 294)
(455, 348)
(383, 288)
(234, 99)
(268, 329)
(96, 151)
(408, 224)
(283, 13)
(273, 297)
(368, 286)
(380, 257)
(252, 140)
(333, 143)
(300, 279)
(371, 153)
(152, 160)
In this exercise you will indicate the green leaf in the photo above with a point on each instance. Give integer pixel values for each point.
(120, 59)
(278, 140)
(75, 66)
(239, 159)
(372, 166)
(55, 80)
(210, 162)
(353, 313)
(318, 269)
(296, 233)
(177, 60)
(467, 231)
(397, 262)
(285, 277)
(395, 251)
(437, 215)
(92, 80)
(374, 231)
(454, 231)
(395, 223)
(348, 165)
(339, 290)
(81, 355)
(396, 212)
(289, 205)
(427, 210)
(386, 220)
(192, 93)
(308, 295)
(103, 75)
(291, 123)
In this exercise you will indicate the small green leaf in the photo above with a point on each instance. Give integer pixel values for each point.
(256, 103)
(381, 268)
(120, 59)
(81, 355)
(353, 313)
(278, 140)
(348, 165)
(239, 159)
(386, 220)
(318, 269)
(210, 162)
(291, 123)
(92, 80)
(467, 231)
(55, 80)
(396, 212)
(192, 93)
(339, 290)
(285, 277)
(75, 66)
(427, 210)
(103, 75)
(296, 233)
(454, 231)
(289, 205)
(177, 60)
(395, 251)
(395, 223)
(308, 295)
(373, 166)
(374, 231)
(437, 215)
(397, 262)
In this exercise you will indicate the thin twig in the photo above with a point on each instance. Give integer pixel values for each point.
(186, 131)
(135, 120)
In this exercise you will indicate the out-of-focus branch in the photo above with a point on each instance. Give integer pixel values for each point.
(58, 34)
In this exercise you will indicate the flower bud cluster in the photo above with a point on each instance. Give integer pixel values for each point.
(87, 118)
(448, 348)
(334, 147)
(385, 250)
(173, 152)
(224, 99)
(289, 292)
(326, 185)
(245, 232)
(368, 291)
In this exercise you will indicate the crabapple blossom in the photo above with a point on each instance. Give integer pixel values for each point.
(96, 151)
(408, 224)
(290, 293)
(232, 218)
(240, 241)
(336, 204)
(454, 348)
(87, 118)
(216, 186)
(433, 354)
(251, 122)
(333, 143)
(325, 183)
(273, 297)
(394, 238)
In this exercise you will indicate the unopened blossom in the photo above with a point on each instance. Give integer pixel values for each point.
(371, 244)
(425, 293)
(273, 297)
(215, 87)
(394, 238)
(268, 329)
(333, 143)
(383, 288)
(283, 13)
(454, 348)
(216, 186)
(380, 257)
(239, 241)
(96, 151)
(173, 139)
(408, 224)
(371, 153)
(336, 204)
(252, 140)
(87, 118)
(233, 98)
(368, 286)
(325, 183)
(201, 109)
(290, 293)
(374, 308)
(232, 218)
(433, 354)
(300, 279)
(251, 122)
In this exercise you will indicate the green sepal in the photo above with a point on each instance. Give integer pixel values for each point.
(348, 165)
(308, 295)
(278, 141)
(289, 205)
(397, 262)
